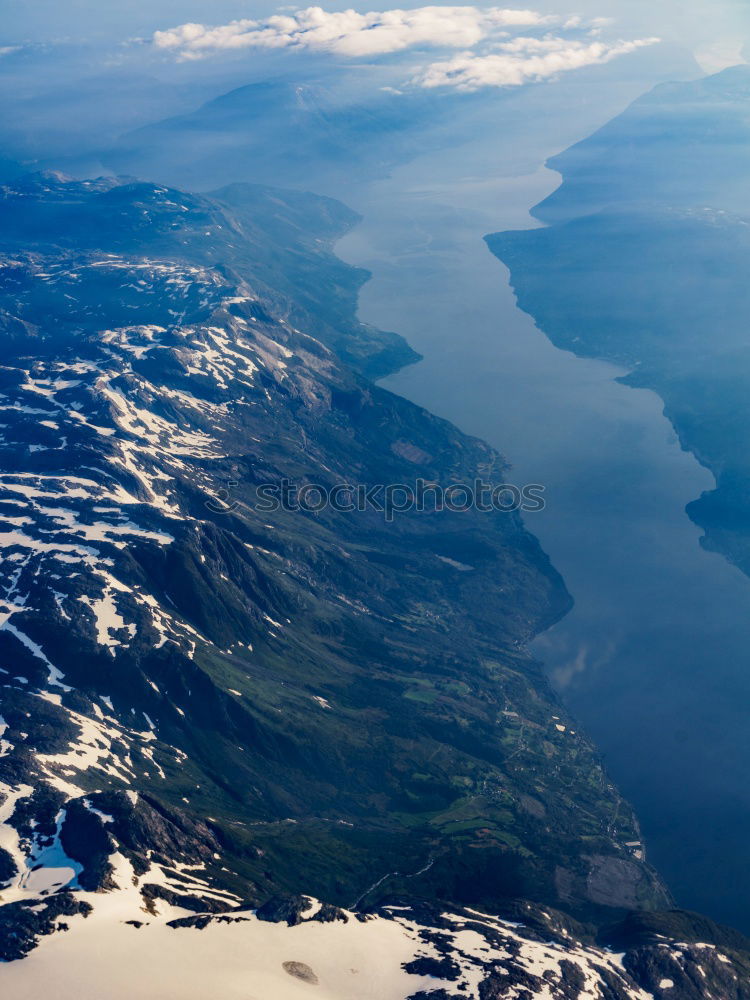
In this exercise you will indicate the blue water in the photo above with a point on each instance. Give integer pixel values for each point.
(654, 659)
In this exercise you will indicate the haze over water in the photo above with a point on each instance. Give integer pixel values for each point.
(654, 658)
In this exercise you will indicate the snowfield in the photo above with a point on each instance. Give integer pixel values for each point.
(240, 957)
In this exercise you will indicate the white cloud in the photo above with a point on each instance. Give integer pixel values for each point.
(349, 33)
(490, 56)
(522, 60)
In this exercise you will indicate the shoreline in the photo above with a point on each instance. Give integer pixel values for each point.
(572, 423)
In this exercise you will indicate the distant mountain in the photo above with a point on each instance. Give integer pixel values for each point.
(682, 145)
(333, 132)
(213, 714)
(281, 132)
(647, 262)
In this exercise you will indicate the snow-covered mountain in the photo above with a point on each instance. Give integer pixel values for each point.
(214, 713)
(423, 953)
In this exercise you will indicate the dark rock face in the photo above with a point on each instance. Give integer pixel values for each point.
(147, 830)
(22, 924)
(439, 968)
(328, 914)
(200, 904)
(693, 970)
(144, 831)
(7, 867)
(85, 839)
(436, 995)
(204, 920)
(284, 910)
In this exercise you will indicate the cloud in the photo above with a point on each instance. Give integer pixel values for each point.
(349, 33)
(522, 60)
(490, 55)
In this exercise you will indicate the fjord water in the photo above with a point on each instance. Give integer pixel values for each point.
(654, 657)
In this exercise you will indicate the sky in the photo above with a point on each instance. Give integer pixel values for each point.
(76, 74)
(701, 25)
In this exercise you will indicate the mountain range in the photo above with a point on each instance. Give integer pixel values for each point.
(313, 736)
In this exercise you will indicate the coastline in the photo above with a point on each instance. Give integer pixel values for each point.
(618, 485)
